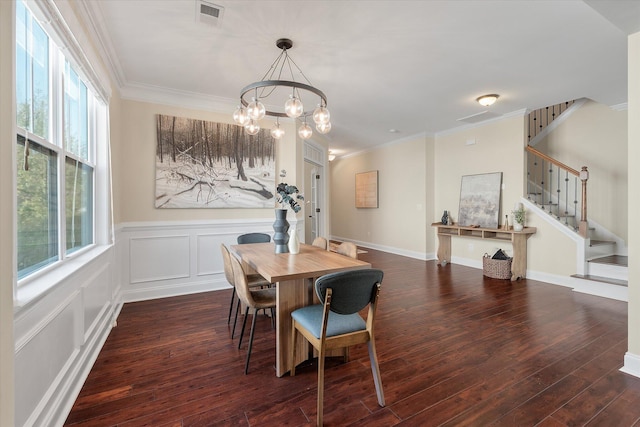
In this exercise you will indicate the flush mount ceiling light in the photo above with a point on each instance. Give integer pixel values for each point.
(271, 87)
(487, 100)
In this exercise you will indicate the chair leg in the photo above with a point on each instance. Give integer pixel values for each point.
(253, 328)
(233, 332)
(375, 370)
(273, 318)
(244, 323)
(233, 297)
(320, 407)
(292, 353)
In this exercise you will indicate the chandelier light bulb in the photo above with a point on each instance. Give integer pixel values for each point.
(252, 127)
(277, 132)
(323, 127)
(305, 131)
(241, 116)
(256, 110)
(321, 115)
(293, 107)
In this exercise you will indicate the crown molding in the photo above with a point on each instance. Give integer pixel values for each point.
(93, 18)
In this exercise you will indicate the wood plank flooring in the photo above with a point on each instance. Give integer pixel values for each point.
(455, 349)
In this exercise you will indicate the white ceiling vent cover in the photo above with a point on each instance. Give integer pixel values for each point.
(209, 13)
(478, 117)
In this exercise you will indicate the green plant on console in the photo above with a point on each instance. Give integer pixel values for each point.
(518, 216)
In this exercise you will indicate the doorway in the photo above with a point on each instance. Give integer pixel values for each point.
(315, 203)
(312, 206)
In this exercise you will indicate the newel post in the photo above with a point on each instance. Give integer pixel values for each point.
(583, 228)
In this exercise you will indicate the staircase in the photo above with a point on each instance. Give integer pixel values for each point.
(560, 192)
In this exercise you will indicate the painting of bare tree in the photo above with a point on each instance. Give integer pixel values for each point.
(201, 164)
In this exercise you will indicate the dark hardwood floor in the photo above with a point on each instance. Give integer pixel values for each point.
(455, 348)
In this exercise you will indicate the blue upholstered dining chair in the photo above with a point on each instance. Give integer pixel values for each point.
(253, 238)
(335, 322)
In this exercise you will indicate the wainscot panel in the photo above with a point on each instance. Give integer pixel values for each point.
(58, 338)
(163, 259)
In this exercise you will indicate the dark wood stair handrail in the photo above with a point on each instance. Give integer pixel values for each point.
(583, 175)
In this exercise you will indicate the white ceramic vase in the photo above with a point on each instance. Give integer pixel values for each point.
(294, 242)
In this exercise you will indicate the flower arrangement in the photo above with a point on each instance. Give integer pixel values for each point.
(287, 195)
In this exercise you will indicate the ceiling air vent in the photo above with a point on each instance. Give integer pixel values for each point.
(209, 13)
(478, 117)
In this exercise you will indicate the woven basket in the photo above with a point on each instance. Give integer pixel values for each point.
(496, 268)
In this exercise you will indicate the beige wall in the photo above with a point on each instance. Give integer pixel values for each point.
(405, 209)
(499, 147)
(133, 159)
(596, 136)
(7, 265)
(440, 165)
(634, 201)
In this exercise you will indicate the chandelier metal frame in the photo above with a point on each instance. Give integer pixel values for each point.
(278, 66)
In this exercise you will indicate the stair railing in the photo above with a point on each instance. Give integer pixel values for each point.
(554, 187)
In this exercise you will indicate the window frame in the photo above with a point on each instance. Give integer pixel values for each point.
(63, 48)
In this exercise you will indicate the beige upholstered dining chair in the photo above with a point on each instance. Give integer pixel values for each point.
(335, 322)
(321, 242)
(253, 281)
(256, 299)
(349, 249)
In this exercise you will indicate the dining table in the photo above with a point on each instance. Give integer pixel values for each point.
(291, 274)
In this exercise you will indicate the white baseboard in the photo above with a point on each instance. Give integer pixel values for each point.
(165, 291)
(398, 251)
(631, 365)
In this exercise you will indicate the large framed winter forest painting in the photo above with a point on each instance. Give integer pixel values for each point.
(480, 200)
(202, 164)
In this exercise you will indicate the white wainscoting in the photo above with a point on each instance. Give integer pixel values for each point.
(60, 333)
(59, 336)
(163, 259)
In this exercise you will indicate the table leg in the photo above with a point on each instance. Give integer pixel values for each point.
(444, 249)
(290, 295)
(519, 262)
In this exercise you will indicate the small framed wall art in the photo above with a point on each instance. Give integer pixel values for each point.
(367, 189)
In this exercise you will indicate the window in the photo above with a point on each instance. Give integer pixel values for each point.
(57, 120)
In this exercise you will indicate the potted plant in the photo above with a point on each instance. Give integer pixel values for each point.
(288, 196)
(518, 217)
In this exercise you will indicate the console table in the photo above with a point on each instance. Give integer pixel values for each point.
(517, 238)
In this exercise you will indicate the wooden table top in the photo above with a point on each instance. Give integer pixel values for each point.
(310, 262)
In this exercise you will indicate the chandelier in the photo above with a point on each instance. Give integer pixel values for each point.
(272, 84)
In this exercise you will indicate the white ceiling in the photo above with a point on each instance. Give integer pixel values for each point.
(415, 66)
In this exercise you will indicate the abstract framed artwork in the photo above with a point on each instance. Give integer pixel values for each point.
(480, 200)
(202, 164)
(367, 189)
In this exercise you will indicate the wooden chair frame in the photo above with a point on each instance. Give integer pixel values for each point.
(324, 344)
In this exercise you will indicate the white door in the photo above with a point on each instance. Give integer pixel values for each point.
(313, 202)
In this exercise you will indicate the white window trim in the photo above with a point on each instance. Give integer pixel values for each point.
(38, 284)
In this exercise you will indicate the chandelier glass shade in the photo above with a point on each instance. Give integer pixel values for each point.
(279, 81)
(277, 132)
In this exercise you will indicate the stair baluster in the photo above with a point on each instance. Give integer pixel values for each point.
(550, 190)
